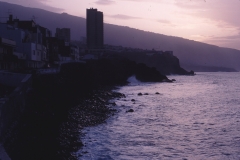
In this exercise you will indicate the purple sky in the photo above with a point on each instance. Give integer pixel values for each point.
(212, 21)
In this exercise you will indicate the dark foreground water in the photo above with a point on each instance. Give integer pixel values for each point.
(196, 117)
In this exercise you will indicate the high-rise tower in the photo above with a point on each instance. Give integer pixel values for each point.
(94, 29)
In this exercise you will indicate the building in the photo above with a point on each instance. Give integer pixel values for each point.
(46, 33)
(24, 44)
(30, 38)
(63, 34)
(95, 35)
(59, 50)
(56, 47)
(74, 52)
(7, 59)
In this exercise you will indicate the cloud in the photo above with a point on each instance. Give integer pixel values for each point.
(215, 10)
(190, 4)
(231, 41)
(105, 2)
(232, 37)
(158, 1)
(166, 22)
(124, 17)
(34, 4)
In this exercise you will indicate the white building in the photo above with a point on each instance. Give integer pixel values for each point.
(75, 52)
(28, 45)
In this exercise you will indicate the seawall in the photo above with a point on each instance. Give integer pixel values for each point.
(13, 102)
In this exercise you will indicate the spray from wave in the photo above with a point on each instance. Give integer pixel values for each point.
(133, 80)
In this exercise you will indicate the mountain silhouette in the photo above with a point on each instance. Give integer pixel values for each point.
(192, 54)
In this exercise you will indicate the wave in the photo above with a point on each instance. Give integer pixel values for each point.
(133, 80)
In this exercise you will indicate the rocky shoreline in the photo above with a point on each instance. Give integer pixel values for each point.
(60, 105)
(48, 137)
(92, 111)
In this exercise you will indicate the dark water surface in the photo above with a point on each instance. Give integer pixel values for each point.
(196, 117)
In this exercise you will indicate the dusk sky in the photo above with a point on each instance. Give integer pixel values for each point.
(212, 21)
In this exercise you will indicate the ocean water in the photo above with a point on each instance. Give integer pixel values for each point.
(194, 118)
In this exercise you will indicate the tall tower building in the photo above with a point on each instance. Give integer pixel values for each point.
(95, 38)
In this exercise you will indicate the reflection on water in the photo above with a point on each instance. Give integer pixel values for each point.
(197, 117)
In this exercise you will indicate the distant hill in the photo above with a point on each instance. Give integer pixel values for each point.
(190, 53)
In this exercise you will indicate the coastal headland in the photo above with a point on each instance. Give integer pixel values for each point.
(60, 105)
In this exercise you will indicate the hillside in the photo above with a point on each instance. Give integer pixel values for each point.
(190, 53)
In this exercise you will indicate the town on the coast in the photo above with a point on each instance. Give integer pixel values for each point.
(26, 45)
(28, 50)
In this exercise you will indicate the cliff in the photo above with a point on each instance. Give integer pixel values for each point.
(164, 63)
(109, 72)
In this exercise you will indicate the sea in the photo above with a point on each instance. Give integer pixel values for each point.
(194, 118)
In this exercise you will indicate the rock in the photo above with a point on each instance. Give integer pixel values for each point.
(139, 94)
(145, 93)
(191, 72)
(133, 100)
(173, 80)
(112, 103)
(157, 93)
(101, 100)
(123, 95)
(130, 110)
(167, 80)
(148, 74)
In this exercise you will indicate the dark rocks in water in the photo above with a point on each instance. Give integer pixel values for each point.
(133, 100)
(167, 80)
(157, 93)
(113, 110)
(130, 110)
(112, 103)
(191, 73)
(140, 94)
(122, 95)
(173, 80)
(145, 93)
(101, 100)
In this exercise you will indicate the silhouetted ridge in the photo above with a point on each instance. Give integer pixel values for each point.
(189, 52)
